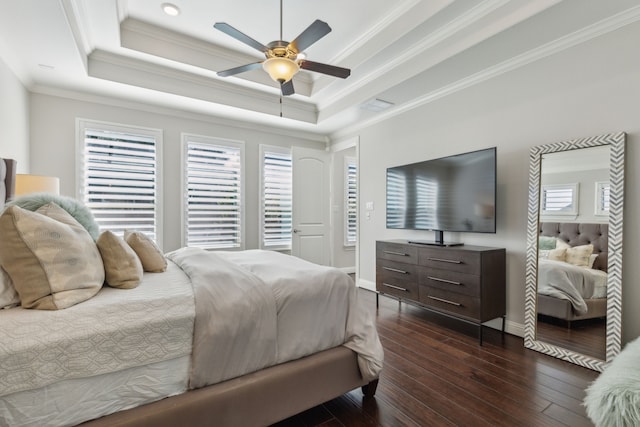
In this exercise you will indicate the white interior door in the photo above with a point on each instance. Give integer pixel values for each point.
(311, 205)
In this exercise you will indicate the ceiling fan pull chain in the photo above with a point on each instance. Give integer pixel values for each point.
(280, 100)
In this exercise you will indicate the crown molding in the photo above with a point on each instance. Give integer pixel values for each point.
(122, 69)
(583, 35)
(220, 120)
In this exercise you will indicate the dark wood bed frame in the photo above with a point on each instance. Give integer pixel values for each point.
(257, 399)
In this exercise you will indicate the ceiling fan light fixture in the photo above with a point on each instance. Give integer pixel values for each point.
(281, 70)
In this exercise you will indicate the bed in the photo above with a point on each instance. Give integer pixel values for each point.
(158, 354)
(573, 292)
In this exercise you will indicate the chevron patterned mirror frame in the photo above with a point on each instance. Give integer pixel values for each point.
(616, 142)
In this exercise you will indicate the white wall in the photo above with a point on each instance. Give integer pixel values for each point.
(14, 119)
(591, 89)
(53, 147)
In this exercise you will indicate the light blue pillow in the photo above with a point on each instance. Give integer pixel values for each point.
(546, 243)
(75, 208)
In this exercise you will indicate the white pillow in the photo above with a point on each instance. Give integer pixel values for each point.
(561, 244)
(8, 295)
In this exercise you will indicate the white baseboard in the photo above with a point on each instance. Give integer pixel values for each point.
(367, 284)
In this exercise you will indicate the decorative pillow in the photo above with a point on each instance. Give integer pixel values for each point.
(8, 295)
(52, 260)
(592, 259)
(75, 208)
(150, 255)
(557, 254)
(561, 244)
(579, 255)
(122, 266)
(546, 243)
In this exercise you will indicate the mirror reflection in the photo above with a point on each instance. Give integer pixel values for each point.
(573, 250)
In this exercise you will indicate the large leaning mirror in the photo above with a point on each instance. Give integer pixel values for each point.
(574, 250)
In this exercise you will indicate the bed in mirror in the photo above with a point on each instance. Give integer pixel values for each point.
(574, 249)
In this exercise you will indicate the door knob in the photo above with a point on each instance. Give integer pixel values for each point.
(295, 230)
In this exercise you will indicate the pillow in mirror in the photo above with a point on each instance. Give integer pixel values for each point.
(546, 243)
(579, 255)
(553, 254)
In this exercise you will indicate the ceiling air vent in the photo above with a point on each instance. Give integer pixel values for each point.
(376, 105)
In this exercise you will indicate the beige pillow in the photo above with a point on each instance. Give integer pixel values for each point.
(150, 255)
(52, 260)
(561, 244)
(557, 254)
(122, 266)
(579, 255)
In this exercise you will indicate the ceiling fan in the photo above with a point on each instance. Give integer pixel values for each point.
(284, 59)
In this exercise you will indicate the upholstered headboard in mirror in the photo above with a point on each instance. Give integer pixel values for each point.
(577, 234)
(7, 179)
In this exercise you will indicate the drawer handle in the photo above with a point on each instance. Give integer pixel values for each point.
(395, 253)
(457, 304)
(437, 279)
(395, 287)
(395, 270)
(451, 261)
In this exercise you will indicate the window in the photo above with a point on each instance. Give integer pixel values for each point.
(276, 203)
(603, 198)
(213, 192)
(119, 178)
(559, 199)
(351, 201)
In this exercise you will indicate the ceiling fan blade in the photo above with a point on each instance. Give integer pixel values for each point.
(312, 34)
(238, 35)
(331, 70)
(287, 88)
(240, 69)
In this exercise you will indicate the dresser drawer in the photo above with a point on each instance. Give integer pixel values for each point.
(451, 281)
(450, 259)
(457, 304)
(397, 252)
(397, 279)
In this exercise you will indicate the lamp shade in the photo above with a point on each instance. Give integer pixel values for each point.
(281, 69)
(26, 184)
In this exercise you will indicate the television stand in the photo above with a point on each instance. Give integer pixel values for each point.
(435, 243)
(439, 241)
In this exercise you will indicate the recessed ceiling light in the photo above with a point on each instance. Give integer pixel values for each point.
(170, 9)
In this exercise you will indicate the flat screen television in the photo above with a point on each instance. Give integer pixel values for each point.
(455, 194)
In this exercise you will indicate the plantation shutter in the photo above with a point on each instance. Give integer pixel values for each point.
(276, 198)
(603, 198)
(213, 194)
(559, 199)
(119, 181)
(351, 211)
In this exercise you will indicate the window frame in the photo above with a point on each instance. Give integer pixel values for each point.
(600, 188)
(186, 138)
(82, 124)
(263, 149)
(574, 187)
(348, 161)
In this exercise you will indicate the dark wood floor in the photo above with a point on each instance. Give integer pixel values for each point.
(587, 337)
(436, 376)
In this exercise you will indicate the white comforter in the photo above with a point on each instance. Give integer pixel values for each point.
(575, 284)
(288, 308)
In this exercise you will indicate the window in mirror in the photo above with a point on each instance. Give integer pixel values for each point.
(603, 194)
(559, 199)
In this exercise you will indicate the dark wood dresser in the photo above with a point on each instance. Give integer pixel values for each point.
(464, 282)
